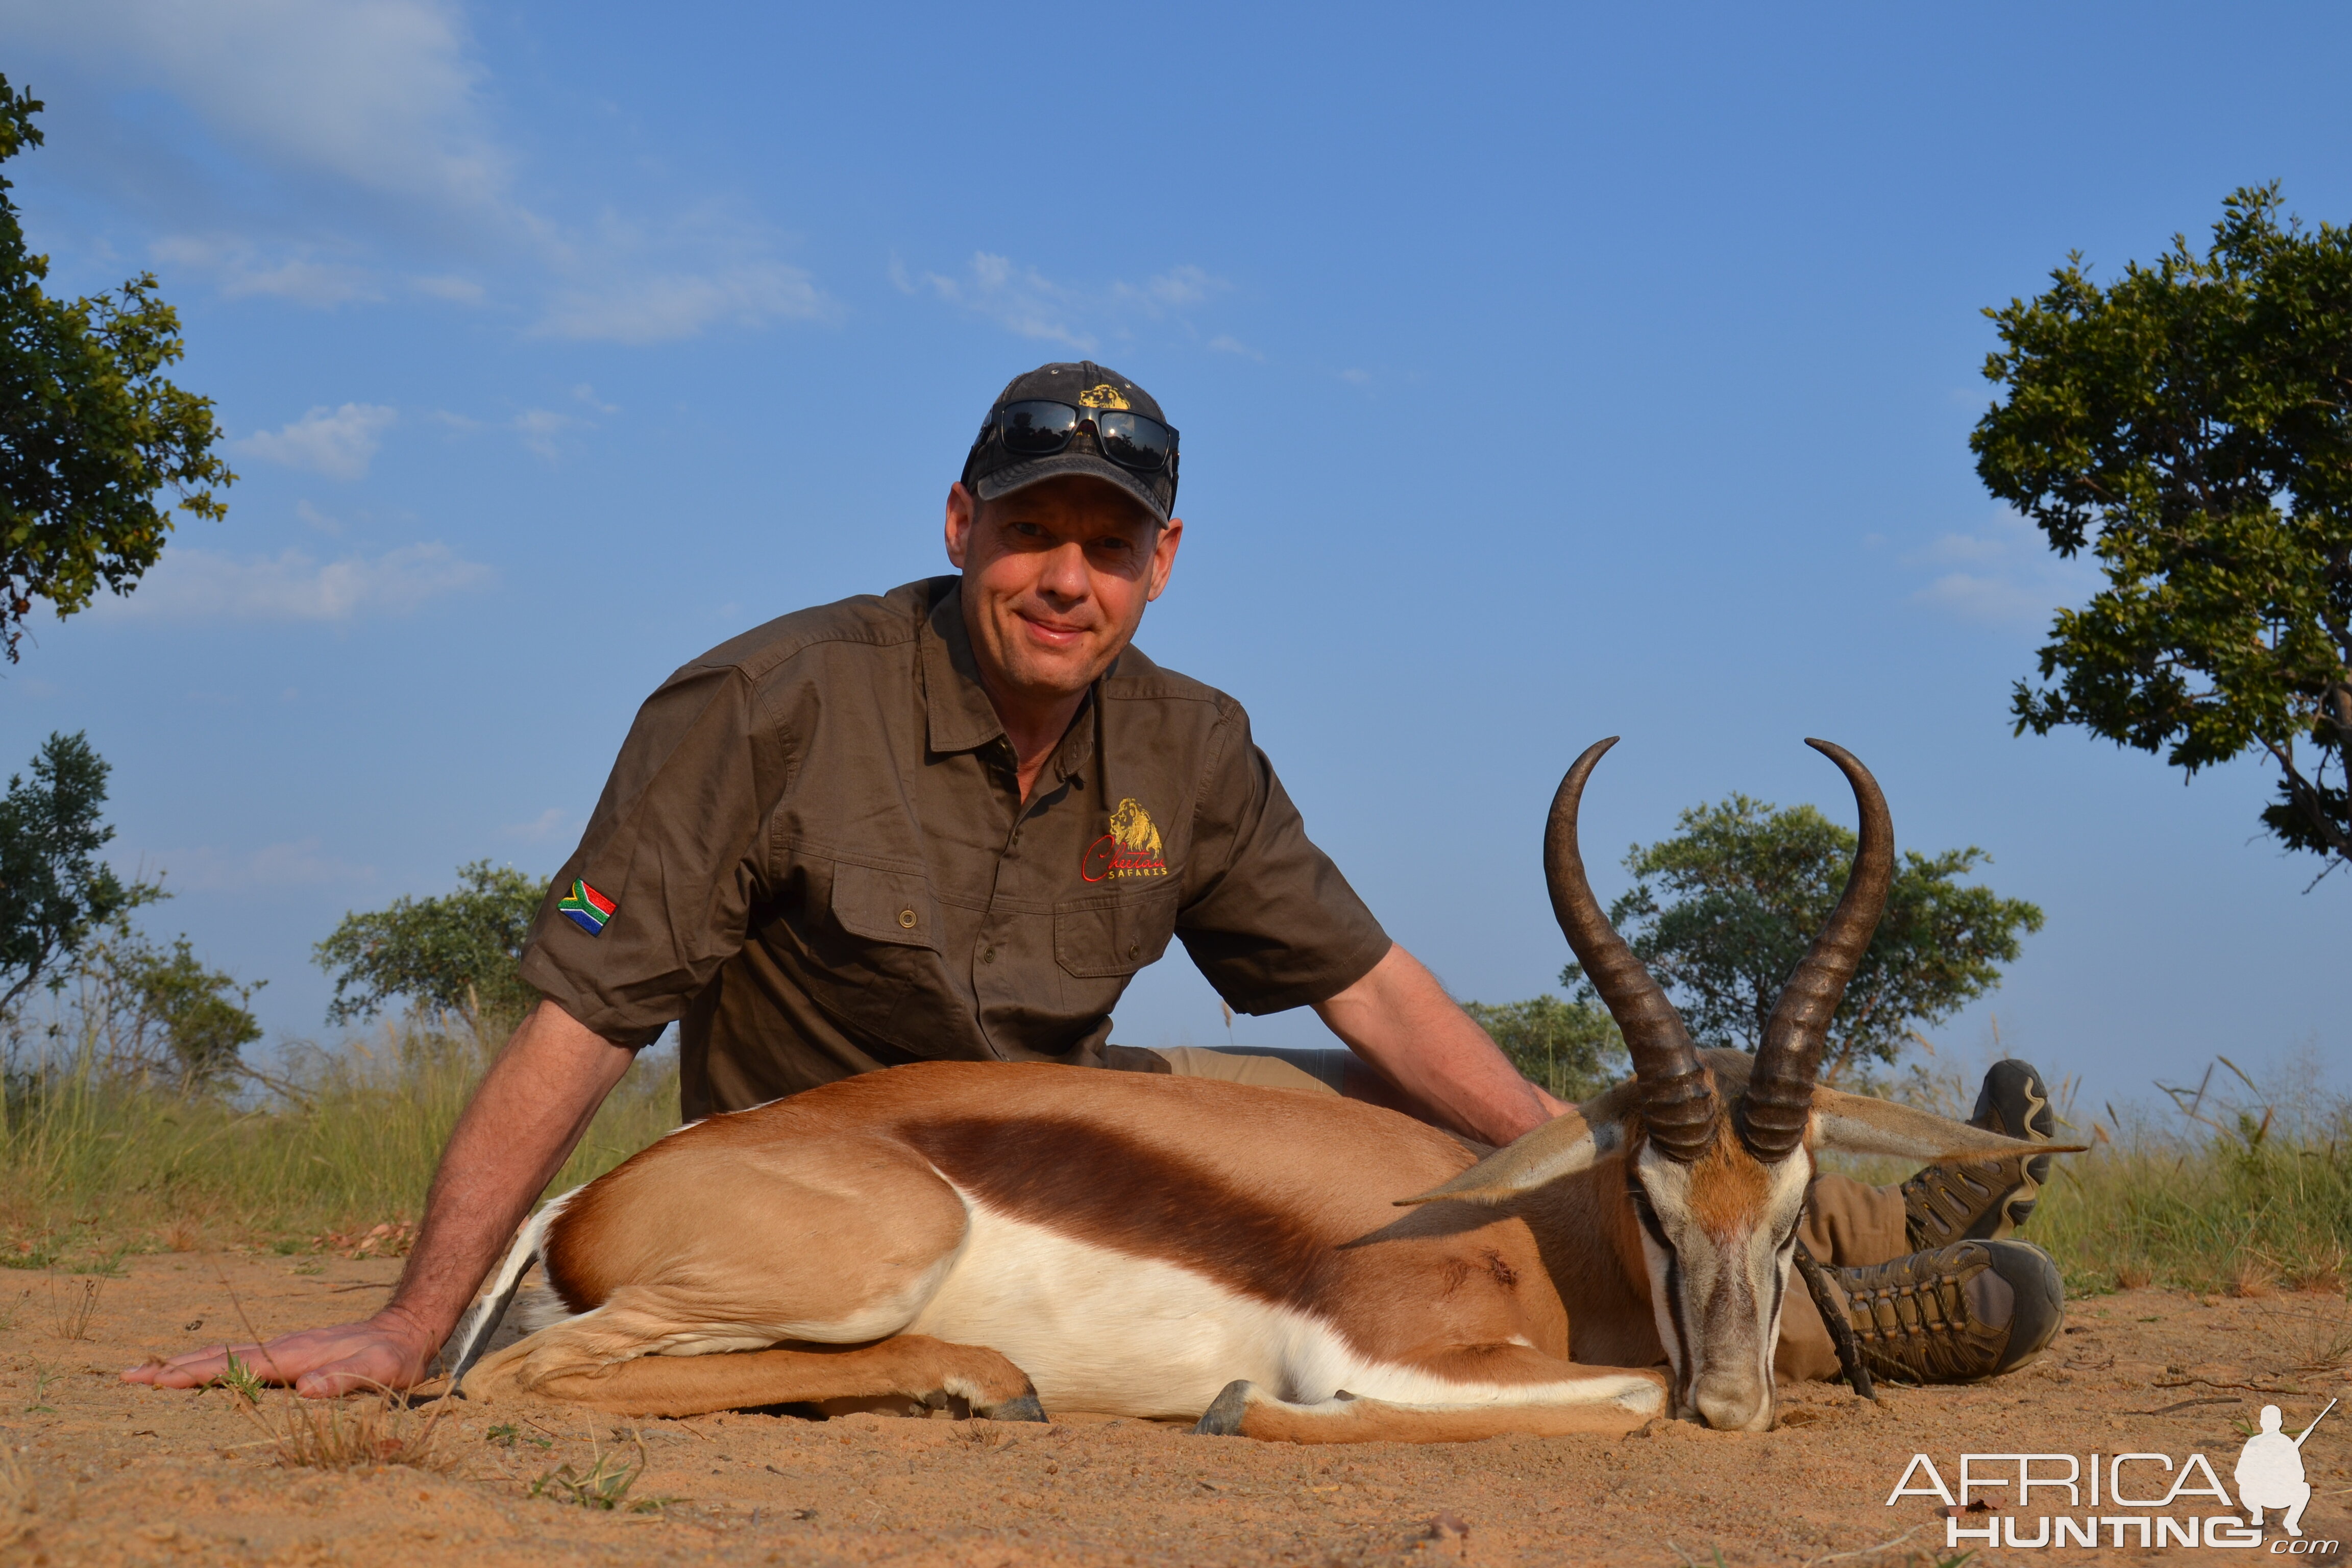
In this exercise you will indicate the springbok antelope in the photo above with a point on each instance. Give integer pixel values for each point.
(1023, 1236)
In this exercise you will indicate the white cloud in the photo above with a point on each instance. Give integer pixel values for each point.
(192, 585)
(1024, 301)
(543, 827)
(297, 864)
(380, 94)
(235, 267)
(659, 306)
(337, 442)
(540, 426)
(2005, 573)
(330, 526)
(457, 290)
(1226, 343)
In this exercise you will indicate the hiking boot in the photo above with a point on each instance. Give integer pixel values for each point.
(1985, 1199)
(1959, 1315)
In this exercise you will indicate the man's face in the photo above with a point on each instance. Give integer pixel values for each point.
(1055, 577)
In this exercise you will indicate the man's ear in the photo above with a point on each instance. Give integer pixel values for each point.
(1163, 556)
(963, 508)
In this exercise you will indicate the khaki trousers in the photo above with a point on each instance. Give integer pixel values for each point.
(1847, 1223)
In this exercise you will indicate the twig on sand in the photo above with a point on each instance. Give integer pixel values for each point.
(1866, 1551)
(2188, 1404)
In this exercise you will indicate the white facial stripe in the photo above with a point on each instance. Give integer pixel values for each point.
(1718, 1300)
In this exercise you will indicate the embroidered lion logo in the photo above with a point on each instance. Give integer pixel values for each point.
(1131, 847)
(1103, 396)
(1137, 833)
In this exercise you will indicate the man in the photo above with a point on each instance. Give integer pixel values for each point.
(951, 821)
(2270, 1471)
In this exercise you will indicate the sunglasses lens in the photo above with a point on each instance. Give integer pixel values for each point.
(1132, 441)
(1035, 429)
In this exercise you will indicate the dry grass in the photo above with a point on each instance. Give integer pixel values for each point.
(71, 1310)
(357, 1432)
(336, 1158)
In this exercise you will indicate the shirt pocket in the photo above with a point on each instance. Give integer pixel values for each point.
(890, 907)
(1099, 938)
(879, 949)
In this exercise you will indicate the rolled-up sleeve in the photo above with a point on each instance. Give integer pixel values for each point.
(676, 849)
(1266, 916)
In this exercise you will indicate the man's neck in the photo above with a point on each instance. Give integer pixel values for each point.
(1033, 727)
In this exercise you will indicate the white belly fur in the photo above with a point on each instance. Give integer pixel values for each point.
(1102, 1331)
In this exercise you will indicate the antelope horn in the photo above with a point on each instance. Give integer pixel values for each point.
(1677, 1096)
(1779, 1099)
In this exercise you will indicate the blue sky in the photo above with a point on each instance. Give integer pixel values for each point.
(1544, 373)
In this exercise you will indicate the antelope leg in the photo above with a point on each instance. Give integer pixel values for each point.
(1571, 1400)
(912, 1366)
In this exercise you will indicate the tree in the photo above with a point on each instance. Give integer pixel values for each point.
(1572, 1048)
(2191, 423)
(461, 952)
(1722, 911)
(155, 1011)
(90, 431)
(54, 890)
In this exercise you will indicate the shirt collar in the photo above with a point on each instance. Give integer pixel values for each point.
(961, 718)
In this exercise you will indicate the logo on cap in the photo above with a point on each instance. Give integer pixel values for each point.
(1131, 847)
(1103, 396)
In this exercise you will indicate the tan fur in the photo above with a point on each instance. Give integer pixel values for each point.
(829, 1218)
(909, 1366)
(1727, 1186)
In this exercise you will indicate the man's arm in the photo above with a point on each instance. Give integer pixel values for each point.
(1402, 1021)
(520, 1126)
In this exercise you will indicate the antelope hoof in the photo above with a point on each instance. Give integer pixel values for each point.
(1222, 1418)
(1025, 1408)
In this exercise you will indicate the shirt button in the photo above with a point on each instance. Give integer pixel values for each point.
(906, 918)
(988, 957)
(1135, 950)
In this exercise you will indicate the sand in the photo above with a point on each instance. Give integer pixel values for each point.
(100, 1472)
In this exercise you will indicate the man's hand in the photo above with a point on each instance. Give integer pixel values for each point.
(1399, 1020)
(520, 1126)
(389, 1350)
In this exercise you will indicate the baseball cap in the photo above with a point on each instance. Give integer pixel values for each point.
(992, 471)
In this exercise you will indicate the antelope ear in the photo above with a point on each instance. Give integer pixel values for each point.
(1858, 1125)
(1567, 1143)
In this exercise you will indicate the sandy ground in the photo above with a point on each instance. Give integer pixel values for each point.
(97, 1471)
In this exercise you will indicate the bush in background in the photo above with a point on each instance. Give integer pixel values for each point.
(461, 952)
(1571, 1048)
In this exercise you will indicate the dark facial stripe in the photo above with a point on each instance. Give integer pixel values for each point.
(1117, 1192)
(1678, 1356)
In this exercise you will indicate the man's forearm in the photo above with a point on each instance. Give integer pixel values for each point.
(1402, 1021)
(520, 1126)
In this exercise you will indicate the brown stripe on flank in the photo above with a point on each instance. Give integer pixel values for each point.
(1100, 1187)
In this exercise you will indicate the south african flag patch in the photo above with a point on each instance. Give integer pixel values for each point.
(588, 907)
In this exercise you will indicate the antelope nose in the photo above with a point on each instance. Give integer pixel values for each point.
(1732, 1405)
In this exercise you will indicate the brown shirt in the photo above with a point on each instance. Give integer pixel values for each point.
(814, 851)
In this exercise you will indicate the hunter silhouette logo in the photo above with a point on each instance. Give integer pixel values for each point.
(1131, 847)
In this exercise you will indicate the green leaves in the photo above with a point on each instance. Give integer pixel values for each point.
(90, 430)
(1722, 913)
(54, 890)
(461, 952)
(1572, 1048)
(2191, 425)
